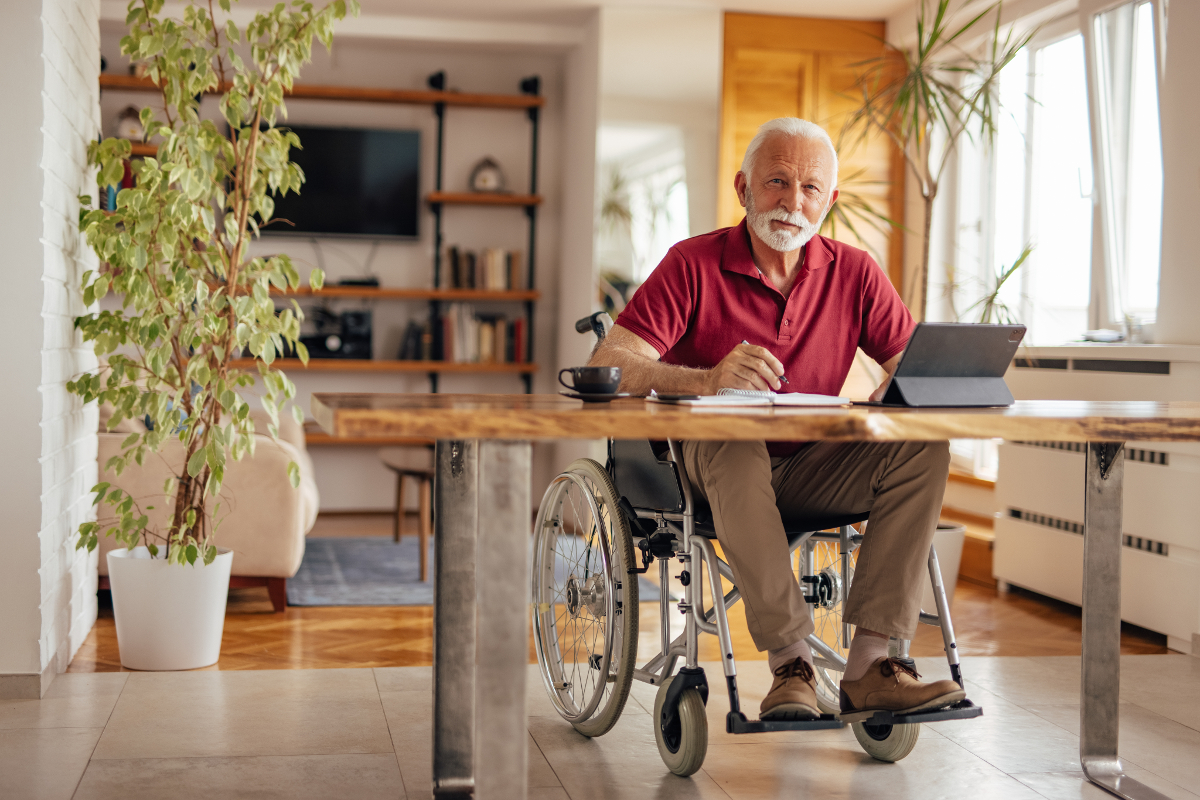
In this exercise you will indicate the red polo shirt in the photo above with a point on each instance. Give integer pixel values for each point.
(707, 296)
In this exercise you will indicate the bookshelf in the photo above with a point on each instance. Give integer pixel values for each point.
(132, 83)
(393, 365)
(440, 200)
(482, 199)
(529, 101)
(394, 293)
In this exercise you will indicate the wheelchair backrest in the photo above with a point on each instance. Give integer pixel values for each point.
(643, 479)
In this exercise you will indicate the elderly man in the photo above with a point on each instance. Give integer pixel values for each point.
(804, 303)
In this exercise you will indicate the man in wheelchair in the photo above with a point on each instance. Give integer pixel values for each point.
(750, 307)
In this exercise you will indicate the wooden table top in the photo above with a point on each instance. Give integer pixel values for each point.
(542, 417)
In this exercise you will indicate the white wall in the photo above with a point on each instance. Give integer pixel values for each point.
(663, 66)
(577, 285)
(20, 405)
(50, 53)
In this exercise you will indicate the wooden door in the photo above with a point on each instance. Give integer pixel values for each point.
(799, 67)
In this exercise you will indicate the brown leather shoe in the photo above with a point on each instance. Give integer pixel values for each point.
(892, 685)
(793, 693)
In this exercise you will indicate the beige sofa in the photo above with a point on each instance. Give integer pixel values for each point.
(262, 518)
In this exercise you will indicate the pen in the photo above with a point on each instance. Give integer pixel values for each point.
(782, 378)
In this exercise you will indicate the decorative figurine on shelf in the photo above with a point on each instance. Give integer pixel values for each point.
(487, 177)
(129, 124)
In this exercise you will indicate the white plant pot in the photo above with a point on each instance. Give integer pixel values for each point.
(169, 616)
(948, 541)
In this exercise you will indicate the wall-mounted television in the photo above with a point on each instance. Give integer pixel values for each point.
(357, 182)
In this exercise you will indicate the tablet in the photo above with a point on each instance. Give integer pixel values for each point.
(954, 365)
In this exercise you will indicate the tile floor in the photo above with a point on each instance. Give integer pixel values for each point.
(364, 733)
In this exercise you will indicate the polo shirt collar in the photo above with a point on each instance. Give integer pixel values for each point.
(738, 258)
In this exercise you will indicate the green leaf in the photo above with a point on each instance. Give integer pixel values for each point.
(210, 553)
(293, 470)
(190, 554)
(153, 548)
(196, 462)
(297, 414)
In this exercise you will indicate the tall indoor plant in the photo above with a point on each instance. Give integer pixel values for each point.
(926, 96)
(174, 251)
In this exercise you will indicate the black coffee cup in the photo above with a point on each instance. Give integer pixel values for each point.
(592, 380)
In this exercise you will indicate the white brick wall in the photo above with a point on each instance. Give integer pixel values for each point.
(70, 119)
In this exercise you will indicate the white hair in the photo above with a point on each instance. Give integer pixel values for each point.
(790, 126)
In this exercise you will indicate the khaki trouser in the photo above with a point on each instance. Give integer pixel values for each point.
(900, 483)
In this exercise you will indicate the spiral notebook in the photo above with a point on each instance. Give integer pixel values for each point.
(748, 397)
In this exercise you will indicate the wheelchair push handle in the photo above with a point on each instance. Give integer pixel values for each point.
(598, 323)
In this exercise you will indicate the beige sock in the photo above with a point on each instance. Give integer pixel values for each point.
(865, 650)
(786, 655)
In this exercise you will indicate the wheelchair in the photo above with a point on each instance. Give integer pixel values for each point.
(599, 527)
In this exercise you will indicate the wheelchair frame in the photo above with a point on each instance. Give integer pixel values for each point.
(693, 548)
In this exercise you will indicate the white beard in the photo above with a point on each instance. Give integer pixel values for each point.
(784, 241)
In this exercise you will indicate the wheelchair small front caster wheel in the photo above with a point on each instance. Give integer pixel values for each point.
(685, 744)
(886, 742)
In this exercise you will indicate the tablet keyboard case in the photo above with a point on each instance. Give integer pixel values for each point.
(955, 365)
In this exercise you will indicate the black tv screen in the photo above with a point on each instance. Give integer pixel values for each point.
(357, 182)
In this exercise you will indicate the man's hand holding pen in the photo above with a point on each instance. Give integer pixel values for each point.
(747, 366)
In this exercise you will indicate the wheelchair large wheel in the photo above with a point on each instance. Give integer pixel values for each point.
(684, 746)
(827, 618)
(585, 604)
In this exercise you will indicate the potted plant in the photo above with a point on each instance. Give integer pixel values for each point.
(193, 302)
(927, 96)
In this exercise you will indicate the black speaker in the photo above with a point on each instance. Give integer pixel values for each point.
(344, 336)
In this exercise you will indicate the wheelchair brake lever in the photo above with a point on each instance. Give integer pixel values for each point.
(647, 558)
(631, 516)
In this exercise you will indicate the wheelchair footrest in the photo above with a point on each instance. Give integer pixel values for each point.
(963, 709)
(736, 722)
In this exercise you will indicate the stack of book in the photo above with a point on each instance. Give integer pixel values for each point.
(493, 268)
(469, 337)
(417, 343)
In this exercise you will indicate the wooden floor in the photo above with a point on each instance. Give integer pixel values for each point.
(987, 624)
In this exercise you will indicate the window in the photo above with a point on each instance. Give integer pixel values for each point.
(1075, 172)
(1125, 95)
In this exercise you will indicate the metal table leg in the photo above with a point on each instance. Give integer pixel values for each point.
(480, 637)
(455, 518)
(1099, 713)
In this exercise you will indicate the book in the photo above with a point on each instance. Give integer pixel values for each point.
(519, 340)
(492, 268)
(410, 344)
(788, 398)
(749, 397)
(473, 338)
(427, 342)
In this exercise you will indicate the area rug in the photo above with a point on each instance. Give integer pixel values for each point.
(373, 571)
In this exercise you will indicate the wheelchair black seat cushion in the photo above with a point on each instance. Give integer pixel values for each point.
(791, 525)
